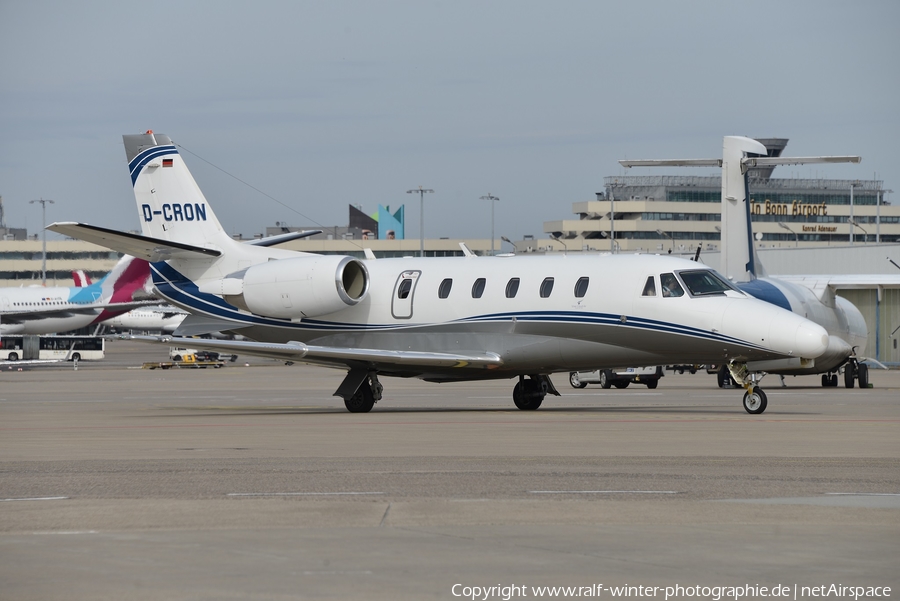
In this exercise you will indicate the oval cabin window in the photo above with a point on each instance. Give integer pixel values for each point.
(546, 287)
(444, 289)
(478, 288)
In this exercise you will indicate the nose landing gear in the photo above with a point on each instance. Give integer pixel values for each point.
(755, 400)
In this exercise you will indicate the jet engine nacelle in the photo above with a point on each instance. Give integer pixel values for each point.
(301, 287)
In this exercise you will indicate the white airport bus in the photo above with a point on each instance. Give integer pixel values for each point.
(81, 348)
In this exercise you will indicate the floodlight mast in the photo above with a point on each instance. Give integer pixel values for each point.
(421, 192)
(783, 225)
(662, 233)
(491, 198)
(43, 202)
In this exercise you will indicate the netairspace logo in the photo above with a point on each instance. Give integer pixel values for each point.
(716, 593)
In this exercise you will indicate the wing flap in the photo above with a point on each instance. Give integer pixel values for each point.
(143, 247)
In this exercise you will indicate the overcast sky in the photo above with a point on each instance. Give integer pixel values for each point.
(324, 104)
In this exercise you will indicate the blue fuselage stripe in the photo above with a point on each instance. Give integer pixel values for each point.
(182, 291)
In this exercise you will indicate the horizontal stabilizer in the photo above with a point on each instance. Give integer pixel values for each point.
(747, 161)
(142, 247)
(282, 238)
(672, 163)
(334, 356)
(772, 161)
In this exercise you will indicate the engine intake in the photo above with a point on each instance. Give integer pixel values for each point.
(302, 287)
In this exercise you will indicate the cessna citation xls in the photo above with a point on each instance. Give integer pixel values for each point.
(438, 319)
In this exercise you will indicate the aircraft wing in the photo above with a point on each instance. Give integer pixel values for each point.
(92, 309)
(334, 356)
(142, 247)
(822, 285)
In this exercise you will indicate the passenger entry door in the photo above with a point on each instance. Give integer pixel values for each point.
(404, 291)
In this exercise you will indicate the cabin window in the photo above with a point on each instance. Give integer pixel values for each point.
(581, 287)
(444, 289)
(649, 287)
(512, 287)
(478, 288)
(670, 285)
(546, 287)
(404, 288)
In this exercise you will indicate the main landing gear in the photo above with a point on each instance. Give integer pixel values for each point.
(854, 370)
(755, 400)
(360, 390)
(829, 380)
(529, 394)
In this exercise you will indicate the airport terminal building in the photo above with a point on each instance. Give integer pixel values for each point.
(661, 212)
(658, 213)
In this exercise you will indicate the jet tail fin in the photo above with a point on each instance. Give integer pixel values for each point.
(125, 286)
(170, 204)
(80, 278)
(739, 261)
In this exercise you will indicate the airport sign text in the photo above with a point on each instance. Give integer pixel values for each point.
(795, 209)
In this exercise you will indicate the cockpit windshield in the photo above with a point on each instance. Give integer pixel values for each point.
(705, 282)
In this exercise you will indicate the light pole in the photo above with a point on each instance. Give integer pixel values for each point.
(662, 233)
(865, 233)
(877, 216)
(612, 215)
(556, 236)
(43, 202)
(491, 198)
(421, 192)
(796, 243)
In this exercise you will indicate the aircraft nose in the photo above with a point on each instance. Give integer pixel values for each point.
(810, 340)
(796, 336)
(777, 329)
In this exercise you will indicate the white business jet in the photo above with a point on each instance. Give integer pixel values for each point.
(438, 319)
(812, 297)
